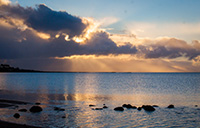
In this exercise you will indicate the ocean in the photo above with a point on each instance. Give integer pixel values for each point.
(74, 92)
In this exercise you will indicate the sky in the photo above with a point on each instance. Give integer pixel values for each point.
(101, 35)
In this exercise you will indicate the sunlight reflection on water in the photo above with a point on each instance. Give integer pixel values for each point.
(75, 91)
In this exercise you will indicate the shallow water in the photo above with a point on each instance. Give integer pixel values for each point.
(75, 91)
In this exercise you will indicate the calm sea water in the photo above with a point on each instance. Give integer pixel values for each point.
(75, 91)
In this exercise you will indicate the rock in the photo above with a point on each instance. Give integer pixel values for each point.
(16, 115)
(139, 108)
(22, 110)
(155, 106)
(62, 109)
(148, 108)
(91, 105)
(59, 109)
(63, 116)
(171, 106)
(105, 106)
(195, 105)
(134, 107)
(119, 109)
(128, 106)
(37, 103)
(56, 108)
(97, 109)
(35, 109)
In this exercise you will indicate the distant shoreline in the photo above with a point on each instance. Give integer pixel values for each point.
(5, 68)
(33, 71)
(8, 68)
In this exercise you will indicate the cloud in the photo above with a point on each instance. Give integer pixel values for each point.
(38, 36)
(4, 2)
(170, 48)
(44, 19)
(27, 33)
(182, 30)
(101, 44)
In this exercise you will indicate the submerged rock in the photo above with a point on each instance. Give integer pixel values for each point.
(128, 106)
(91, 105)
(155, 106)
(62, 109)
(148, 108)
(59, 109)
(63, 116)
(22, 110)
(35, 109)
(105, 106)
(97, 109)
(139, 108)
(16, 115)
(119, 109)
(171, 106)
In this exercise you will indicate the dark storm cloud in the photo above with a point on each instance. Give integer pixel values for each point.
(100, 44)
(42, 18)
(34, 47)
(16, 42)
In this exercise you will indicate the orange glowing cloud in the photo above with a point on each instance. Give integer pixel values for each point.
(88, 32)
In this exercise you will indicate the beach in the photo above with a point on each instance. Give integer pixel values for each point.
(4, 124)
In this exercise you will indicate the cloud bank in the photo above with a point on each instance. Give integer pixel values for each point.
(170, 48)
(41, 33)
(21, 29)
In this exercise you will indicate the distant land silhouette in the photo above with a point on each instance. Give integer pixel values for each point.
(8, 68)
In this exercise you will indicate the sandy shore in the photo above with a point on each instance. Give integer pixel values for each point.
(4, 124)
(9, 103)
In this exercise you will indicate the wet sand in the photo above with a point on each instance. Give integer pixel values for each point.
(4, 124)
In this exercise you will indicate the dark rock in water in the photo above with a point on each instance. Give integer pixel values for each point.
(171, 106)
(105, 106)
(139, 108)
(35, 109)
(133, 107)
(63, 116)
(97, 109)
(62, 109)
(22, 110)
(128, 106)
(37, 103)
(59, 109)
(119, 109)
(56, 108)
(196, 106)
(148, 108)
(124, 105)
(91, 105)
(155, 106)
(16, 115)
